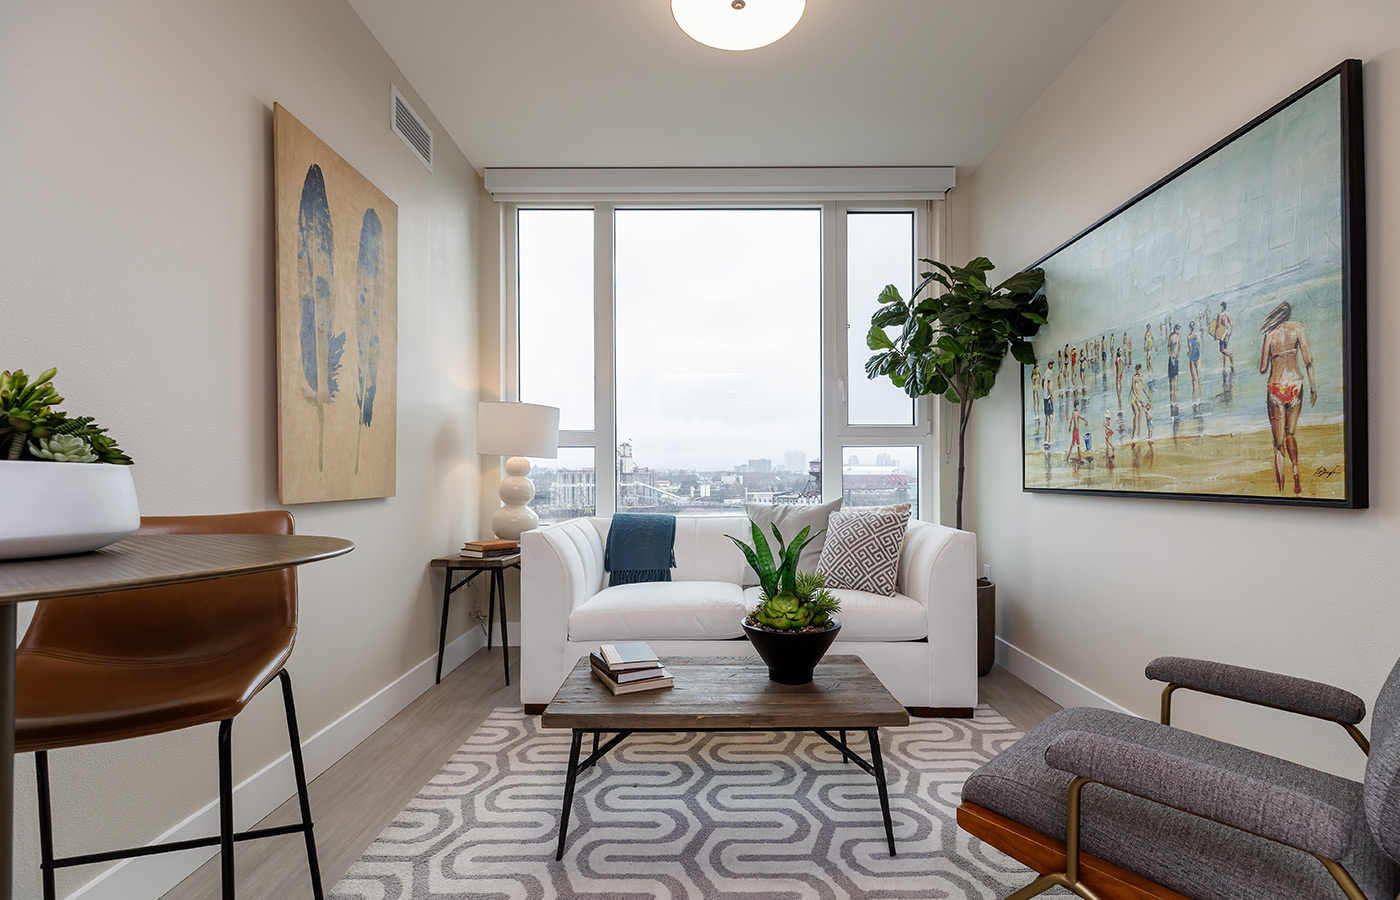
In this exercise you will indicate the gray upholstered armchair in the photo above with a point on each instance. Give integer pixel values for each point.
(1111, 806)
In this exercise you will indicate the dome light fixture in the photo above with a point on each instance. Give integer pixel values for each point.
(737, 24)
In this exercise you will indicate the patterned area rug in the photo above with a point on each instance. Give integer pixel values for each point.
(693, 817)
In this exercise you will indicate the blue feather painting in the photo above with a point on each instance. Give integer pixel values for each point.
(321, 347)
(369, 311)
(337, 323)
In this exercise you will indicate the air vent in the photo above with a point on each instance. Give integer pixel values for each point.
(410, 126)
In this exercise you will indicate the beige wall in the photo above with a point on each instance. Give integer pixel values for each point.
(1095, 587)
(136, 246)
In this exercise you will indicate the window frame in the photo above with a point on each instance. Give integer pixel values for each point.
(836, 432)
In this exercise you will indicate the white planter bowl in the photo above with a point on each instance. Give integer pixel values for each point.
(54, 508)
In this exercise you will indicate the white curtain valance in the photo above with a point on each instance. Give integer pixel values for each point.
(508, 185)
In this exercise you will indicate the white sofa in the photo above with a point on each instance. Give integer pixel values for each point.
(922, 643)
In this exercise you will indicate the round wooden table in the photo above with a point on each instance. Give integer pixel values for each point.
(140, 561)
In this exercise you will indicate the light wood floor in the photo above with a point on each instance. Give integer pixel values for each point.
(356, 798)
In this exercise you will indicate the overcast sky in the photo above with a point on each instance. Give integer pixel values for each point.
(718, 317)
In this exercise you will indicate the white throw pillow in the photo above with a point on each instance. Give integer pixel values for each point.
(790, 519)
(862, 550)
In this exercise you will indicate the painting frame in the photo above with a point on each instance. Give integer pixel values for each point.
(1353, 362)
(336, 254)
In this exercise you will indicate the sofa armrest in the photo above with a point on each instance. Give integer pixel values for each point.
(1297, 695)
(938, 568)
(1268, 810)
(560, 568)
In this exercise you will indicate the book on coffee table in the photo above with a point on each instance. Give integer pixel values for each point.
(626, 676)
(656, 682)
(626, 656)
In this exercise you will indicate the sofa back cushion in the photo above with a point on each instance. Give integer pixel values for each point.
(703, 553)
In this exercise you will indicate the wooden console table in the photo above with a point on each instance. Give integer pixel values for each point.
(497, 566)
(140, 561)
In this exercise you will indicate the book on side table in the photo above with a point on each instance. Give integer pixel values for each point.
(489, 549)
(629, 668)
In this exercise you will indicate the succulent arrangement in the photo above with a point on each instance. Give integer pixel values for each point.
(789, 600)
(31, 428)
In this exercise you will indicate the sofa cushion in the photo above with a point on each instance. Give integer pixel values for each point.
(871, 617)
(1190, 855)
(660, 611)
(862, 549)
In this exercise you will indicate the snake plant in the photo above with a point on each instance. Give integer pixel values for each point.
(788, 599)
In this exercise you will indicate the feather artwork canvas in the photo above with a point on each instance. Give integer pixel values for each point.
(334, 322)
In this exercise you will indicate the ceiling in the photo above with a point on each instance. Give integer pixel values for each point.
(617, 83)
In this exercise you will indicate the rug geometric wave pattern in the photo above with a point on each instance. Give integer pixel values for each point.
(693, 817)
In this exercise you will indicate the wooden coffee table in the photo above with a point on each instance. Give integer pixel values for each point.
(729, 694)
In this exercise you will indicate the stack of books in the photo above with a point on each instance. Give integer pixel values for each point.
(629, 668)
(489, 549)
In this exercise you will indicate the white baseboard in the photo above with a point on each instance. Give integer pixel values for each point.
(149, 878)
(1049, 680)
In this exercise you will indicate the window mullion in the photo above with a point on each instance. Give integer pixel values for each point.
(605, 367)
(834, 389)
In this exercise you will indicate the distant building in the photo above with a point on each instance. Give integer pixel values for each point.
(761, 465)
(884, 459)
(795, 461)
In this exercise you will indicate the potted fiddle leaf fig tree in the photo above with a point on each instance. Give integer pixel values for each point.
(69, 479)
(953, 342)
(792, 626)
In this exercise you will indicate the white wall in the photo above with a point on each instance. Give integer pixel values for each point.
(136, 243)
(1095, 587)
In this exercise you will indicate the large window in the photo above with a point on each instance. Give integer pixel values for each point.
(718, 358)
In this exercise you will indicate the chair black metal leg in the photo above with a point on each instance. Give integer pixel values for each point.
(226, 808)
(491, 612)
(505, 637)
(569, 791)
(303, 796)
(442, 631)
(878, 765)
(41, 778)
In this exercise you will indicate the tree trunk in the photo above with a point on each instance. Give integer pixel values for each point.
(964, 413)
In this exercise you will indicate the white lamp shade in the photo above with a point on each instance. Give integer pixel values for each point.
(517, 429)
(730, 25)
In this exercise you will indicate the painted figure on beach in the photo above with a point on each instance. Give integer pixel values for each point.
(1174, 362)
(1118, 375)
(1137, 396)
(1148, 345)
(1224, 328)
(1076, 418)
(1047, 394)
(1193, 352)
(1285, 342)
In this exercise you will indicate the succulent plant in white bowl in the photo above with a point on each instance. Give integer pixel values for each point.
(66, 479)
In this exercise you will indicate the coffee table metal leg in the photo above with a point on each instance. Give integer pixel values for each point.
(595, 743)
(505, 636)
(878, 764)
(569, 792)
(844, 757)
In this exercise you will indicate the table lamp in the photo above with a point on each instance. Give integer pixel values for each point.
(516, 430)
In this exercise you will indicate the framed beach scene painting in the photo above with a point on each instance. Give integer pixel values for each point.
(1207, 339)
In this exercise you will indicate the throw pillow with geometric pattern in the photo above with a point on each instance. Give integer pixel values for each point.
(862, 550)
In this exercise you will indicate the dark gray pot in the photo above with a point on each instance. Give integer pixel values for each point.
(791, 657)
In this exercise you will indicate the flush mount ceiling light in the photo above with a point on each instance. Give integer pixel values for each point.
(737, 24)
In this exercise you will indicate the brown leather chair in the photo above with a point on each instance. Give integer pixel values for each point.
(158, 660)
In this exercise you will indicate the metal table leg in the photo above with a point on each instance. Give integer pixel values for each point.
(878, 765)
(500, 579)
(7, 751)
(442, 632)
(569, 780)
